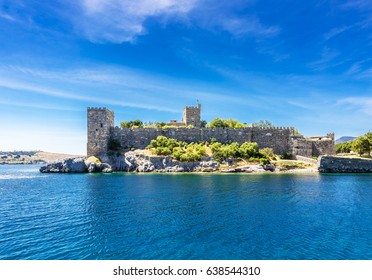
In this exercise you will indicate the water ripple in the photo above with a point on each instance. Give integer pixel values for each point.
(159, 216)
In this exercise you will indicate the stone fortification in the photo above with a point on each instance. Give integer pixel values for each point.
(191, 116)
(313, 146)
(328, 164)
(100, 123)
(282, 140)
(139, 138)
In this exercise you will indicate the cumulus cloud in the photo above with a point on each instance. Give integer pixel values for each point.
(120, 21)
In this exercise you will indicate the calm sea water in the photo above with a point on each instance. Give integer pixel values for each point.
(188, 216)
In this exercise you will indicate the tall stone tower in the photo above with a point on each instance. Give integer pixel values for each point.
(100, 121)
(191, 115)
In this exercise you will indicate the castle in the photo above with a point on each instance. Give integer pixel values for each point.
(101, 130)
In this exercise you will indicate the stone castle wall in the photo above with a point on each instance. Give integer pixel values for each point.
(302, 147)
(312, 148)
(276, 138)
(323, 147)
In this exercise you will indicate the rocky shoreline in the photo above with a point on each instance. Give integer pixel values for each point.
(76, 165)
(142, 163)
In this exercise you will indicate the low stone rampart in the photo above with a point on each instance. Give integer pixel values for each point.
(327, 164)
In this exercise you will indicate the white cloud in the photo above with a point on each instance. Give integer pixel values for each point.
(6, 16)
(358, 4)
(336, 31)
(244, 26)
(120, 21)
(109, 86)
(326, 60)
(47, 91)
(361, 104)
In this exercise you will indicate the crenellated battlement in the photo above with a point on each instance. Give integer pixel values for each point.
(273, 127)
(97, 108)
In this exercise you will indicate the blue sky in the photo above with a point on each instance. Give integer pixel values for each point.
(306, 64)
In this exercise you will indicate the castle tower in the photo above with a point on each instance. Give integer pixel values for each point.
(100, 121)
(191, 115)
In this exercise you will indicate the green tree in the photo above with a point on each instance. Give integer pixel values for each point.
(160, 124)
(230, 123)
(268, 153)
(235, 124)
(131, 124)
(177, 149)
(263, 124)
(361, 145)
(125, 125)
(248, 150)
(296, 132)
(137, 123)
(217, 122)
(345, 147)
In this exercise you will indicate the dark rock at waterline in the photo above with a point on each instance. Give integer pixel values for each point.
(76, 165)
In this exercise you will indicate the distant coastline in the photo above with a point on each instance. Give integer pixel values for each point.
(32, 157)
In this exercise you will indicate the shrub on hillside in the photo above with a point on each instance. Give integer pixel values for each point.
(268, 152)
(247, 150)
(177, 149)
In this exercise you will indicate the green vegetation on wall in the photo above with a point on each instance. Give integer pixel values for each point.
(263, 124)
(131, 124)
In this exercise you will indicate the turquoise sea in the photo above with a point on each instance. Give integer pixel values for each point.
(184, 216)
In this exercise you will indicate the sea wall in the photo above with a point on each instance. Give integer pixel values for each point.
(138, 138)
(327, 164)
